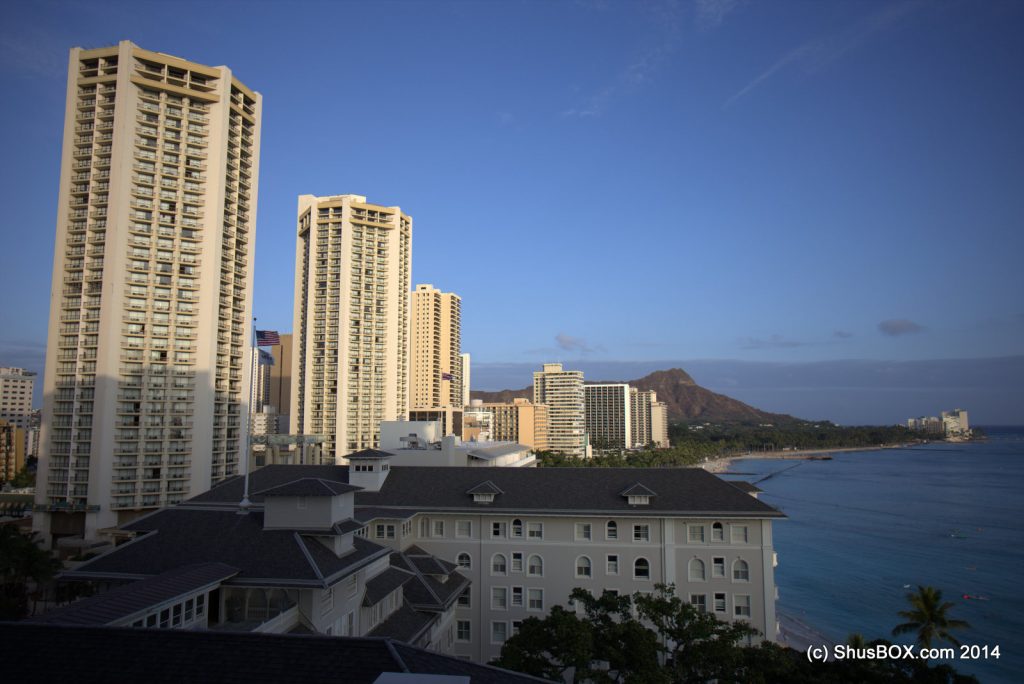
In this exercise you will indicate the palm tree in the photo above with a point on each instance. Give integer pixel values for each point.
(928, 617)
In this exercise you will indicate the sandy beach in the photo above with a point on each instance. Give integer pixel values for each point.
(722, 465)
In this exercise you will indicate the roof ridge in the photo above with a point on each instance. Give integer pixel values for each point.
(394, 654)
(309, 557)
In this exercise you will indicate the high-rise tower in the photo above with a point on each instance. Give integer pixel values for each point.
(350, 354)
(436, 360)
(146, 384)
(563, 392)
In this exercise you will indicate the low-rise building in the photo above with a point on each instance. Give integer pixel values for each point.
(521, 421)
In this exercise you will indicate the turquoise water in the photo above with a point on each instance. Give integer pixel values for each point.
(864, 524)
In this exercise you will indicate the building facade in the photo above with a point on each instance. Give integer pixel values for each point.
(521, 421)
(281, 380)
(435, 359)
(350, 364)
(261, 365)
(12, 450)
(16, 388)
(609, 416)
(563, 393)
(466, 368)
(649, 419)
(146, 387)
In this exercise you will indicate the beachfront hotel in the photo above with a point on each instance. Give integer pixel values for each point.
(563, 393)
(145, 389)
(350, 355)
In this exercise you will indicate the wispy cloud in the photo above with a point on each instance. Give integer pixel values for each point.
(815, 55)
(640, 70)
(773, 342)
(711, 13)
(842, 334)
(574, 344)
(894, 327)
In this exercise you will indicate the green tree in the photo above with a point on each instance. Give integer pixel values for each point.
(22, 560)
(558, 645)
(929, 617)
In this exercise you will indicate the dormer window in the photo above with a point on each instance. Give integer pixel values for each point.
(485, 492)
(481, 497)
(638, 495)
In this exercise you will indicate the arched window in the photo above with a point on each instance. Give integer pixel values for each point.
(464, 561)
(741, 571)
(697, 570)
(498, 565)
(517, 528)
(717, 532)
(535, 566)
(583, 567)
(611, 530)
(641, 569)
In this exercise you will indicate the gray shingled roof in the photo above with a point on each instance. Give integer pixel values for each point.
(170, 656)
(309, 486)
(747, 487)
(185, 535)
(385, 583)
(428, 592)
(370, 453)
(367, 514)
(405, 624)
(125, 601)
(638, 490)
(486, 487)
(230, 491)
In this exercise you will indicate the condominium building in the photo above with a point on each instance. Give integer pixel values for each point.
(466, 373)
(281, 380)
(609, 416)
(522, 422)
(477, 422)
(435, 360)
(350, 364)
(12, 450)
(261, 364)
(16, 388)
(145, 390)
(649, 419)
(563, 393)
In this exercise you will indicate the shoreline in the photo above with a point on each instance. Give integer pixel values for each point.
(721, 466)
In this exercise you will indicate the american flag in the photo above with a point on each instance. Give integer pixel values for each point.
(447, 376)
(267, 338)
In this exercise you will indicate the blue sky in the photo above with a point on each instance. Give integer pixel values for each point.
(604, 181)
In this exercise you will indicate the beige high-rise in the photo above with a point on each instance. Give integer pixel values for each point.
(649, 419)
(435, 358)
(522, 422)
(351, 335)
(562, 391)
(146, 384)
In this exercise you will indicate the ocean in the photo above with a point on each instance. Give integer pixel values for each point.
(865, 524)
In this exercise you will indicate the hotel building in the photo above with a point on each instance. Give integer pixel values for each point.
(649, 419)
(350, 361)
(148, 343)
(16, 388)
(522, 422)
(435, 359)
(563, 393)
(609, 416)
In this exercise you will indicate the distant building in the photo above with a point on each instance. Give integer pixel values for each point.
(449, 417)
(12, 450)
(521, 421)
(477, 422)
(16, 388)
(609, 416)
(563, 393)
(281, 380)
(262, 363)
(649, 419)
(422, 443)
(435, 358)
(466, 370)
(955, 423)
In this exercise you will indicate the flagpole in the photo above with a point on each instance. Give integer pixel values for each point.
(245, 504)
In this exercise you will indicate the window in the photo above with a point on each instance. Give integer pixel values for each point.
(517, 597)
(741, 571)
(583, 567)
(611, 530)
(611, 565)
(498, 566)
(463, 630)
(696, 534)
(424, 527)
(516, 624)
(738, 534)
(641, 569)
(499, 598)
(719, 603)
(535, 566)
(535, 530)
(741, 605)
(717, 532)
(463, 528)
(385, 532)
(700, 602)
(464, 599)
(642, 533)
(583, 531)
(517, 528)
(463, 560)
(326, 600)
(438, 528)
(536, 599)
(497, 529)
(499, 632)
(517, 562)
(718, 567)
(697, 570)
